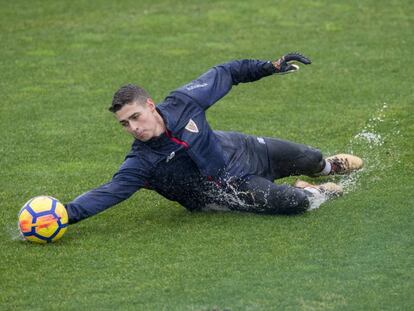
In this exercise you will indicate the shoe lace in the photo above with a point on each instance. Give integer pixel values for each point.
(338, 164)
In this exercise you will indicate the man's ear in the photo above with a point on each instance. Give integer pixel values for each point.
(150, 104)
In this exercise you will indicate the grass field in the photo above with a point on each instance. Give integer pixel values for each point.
(60, 63)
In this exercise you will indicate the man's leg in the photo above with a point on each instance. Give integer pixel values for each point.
(259, 195)
(292, 159)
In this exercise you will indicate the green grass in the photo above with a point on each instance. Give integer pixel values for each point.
(60, 63)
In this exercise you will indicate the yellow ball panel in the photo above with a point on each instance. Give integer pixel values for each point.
(62, 213)
(59, 235)
(46, 225)
(34, 239)
(41, 204)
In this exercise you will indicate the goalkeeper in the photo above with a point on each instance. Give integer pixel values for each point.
(178, 155)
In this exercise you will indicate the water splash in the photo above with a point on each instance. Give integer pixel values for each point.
(13, 232)
(231, 198)
(374, 145)
(316, 199)
(373, 139)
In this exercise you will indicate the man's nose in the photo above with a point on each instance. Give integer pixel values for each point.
(134, 126)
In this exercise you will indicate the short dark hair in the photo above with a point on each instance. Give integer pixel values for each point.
(128, 94)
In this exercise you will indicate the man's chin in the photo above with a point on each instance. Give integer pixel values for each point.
(142, 138)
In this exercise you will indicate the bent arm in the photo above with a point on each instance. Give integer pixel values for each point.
(121, 187)
(218, 81)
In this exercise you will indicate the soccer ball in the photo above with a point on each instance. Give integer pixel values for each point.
(43, 219)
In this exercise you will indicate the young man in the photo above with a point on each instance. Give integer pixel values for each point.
(178, 155)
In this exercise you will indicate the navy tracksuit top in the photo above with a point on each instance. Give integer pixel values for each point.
(189, 158)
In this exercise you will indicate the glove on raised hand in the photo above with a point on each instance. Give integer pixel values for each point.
(284, 64)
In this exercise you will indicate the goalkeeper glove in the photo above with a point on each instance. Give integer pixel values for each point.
(284, 64)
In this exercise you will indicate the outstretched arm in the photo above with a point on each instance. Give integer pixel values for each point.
(218, 81)
(122, 186)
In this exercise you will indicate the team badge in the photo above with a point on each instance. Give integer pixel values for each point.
(191, 126)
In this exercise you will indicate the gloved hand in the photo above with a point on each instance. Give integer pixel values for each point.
(284, 64)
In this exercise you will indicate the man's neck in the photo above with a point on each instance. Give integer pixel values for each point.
(160, 124)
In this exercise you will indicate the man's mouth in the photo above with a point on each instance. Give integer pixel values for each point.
(139, 135)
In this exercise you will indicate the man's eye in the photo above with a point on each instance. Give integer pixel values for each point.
(135, 117)
(124, 124)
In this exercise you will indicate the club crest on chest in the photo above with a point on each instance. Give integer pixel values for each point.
(191, 126)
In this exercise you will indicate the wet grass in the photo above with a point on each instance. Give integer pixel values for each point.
(62, 61)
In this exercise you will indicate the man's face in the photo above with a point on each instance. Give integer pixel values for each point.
(140, 120)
